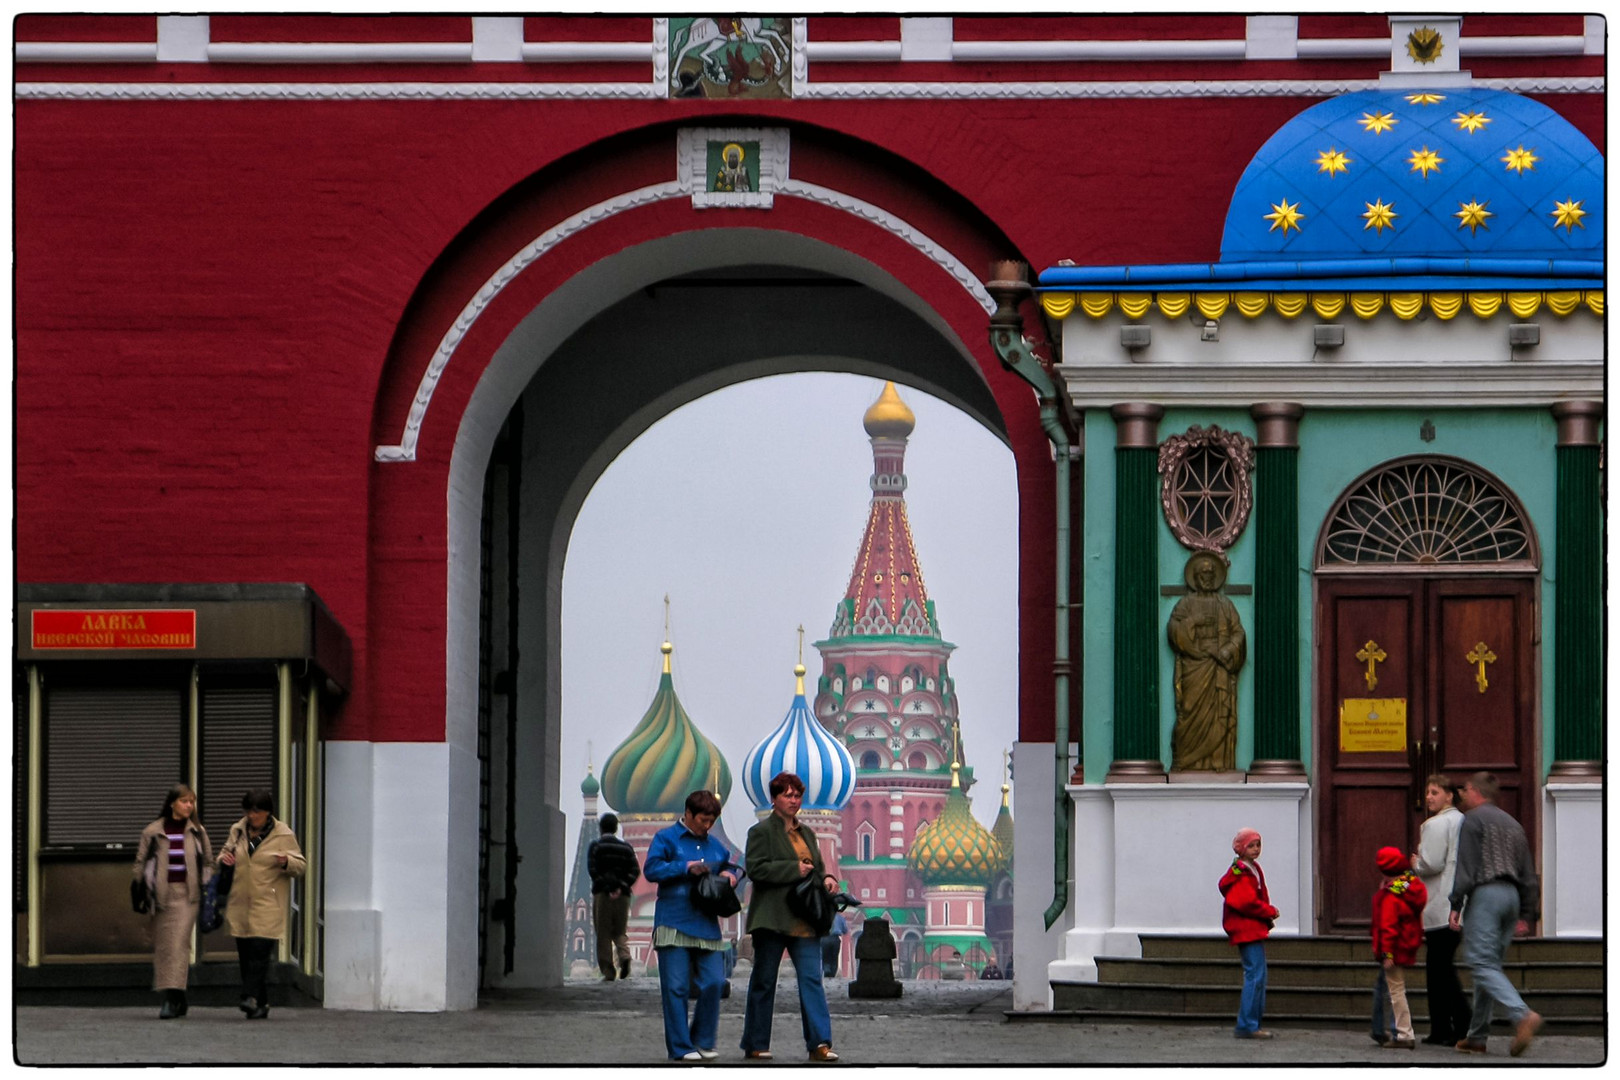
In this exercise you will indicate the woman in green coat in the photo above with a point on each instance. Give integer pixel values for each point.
(780, 853)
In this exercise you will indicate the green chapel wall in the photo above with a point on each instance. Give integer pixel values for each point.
(1336, 447)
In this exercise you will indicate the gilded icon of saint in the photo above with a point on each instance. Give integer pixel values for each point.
(1208, 641)
(732, 174)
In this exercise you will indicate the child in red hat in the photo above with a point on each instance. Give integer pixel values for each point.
(1397, 931)
(1247, 916)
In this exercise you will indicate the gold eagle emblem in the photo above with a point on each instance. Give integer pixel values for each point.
(1425, 45)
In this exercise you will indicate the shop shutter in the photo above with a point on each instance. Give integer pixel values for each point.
(111, 754)
(238, 753)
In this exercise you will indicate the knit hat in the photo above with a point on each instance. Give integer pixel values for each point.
(1392, 860)
(1243, 839)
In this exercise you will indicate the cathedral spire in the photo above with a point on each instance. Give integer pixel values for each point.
(886, 594)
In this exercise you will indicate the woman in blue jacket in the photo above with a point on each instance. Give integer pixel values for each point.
(690, 949)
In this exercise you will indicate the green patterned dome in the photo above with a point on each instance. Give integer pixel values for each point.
(956, 849)
(664, 760)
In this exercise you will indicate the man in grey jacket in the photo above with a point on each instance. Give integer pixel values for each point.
(1496, 884)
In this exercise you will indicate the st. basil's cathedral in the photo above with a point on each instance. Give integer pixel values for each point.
(886, 789)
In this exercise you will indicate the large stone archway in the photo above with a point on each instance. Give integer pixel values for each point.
(553, 334)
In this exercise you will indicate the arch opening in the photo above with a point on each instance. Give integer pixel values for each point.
(597, 363)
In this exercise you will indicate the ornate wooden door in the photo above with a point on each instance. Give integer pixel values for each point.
(1417, 675)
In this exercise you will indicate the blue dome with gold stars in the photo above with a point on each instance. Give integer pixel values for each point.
(1442, 173)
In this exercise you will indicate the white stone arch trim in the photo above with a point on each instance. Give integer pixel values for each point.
(405, 449)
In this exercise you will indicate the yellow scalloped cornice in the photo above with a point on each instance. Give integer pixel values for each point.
(1251, 305)
(1366, 304)
(1057, 304)
(1406, 305)
(1174, 305)
(1096, 304)
(1562, 303)
(1446, 305)
(1289, 305)
(1327, 305)
(1136, 305)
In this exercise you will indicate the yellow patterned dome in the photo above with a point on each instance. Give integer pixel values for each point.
(889, 417)
(664, 760)
(956, 849)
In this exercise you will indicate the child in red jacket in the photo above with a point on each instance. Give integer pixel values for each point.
(1247, 917)
(1397, 931)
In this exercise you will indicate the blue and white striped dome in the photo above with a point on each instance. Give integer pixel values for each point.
(801, 746)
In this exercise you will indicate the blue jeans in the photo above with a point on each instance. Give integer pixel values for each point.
(805, 952)
(1253, 1003)
(678, 969)
(1488, 923)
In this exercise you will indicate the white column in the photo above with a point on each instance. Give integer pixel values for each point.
(1572, 872)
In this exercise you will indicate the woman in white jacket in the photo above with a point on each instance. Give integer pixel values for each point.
(1436, 864)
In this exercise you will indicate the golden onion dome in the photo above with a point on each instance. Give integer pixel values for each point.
(664, 760)
(956, 849)
(889, 417)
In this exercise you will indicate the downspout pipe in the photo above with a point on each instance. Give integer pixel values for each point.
(1008, 285)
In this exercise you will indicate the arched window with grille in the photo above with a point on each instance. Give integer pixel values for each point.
(1427, 513)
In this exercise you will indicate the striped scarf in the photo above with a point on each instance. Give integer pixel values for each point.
(176, 832)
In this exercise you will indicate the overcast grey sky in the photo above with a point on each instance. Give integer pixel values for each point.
(746, 507)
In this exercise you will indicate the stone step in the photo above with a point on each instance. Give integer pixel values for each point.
(1321, 947)
(1282, 1000)
(1332, 973)
(1592, 1024)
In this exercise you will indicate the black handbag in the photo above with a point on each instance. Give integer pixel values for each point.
(808, 899)
(139, 899)
(714, 896)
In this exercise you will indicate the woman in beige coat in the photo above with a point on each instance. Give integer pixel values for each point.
(172, 865)
(264, 853)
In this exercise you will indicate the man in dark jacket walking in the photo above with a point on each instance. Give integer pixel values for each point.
(613, 870)
(1494, 896)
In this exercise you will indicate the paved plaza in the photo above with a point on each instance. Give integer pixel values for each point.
(591, 1023)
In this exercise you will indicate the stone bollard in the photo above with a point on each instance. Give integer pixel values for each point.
(875, 953)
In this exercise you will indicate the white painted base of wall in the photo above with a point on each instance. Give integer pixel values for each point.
(1034, 946)
(1572, 865)
(1148, 857)
(395, 939)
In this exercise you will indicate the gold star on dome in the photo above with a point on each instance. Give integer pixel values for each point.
(1377, 122)
(1520, 160)
(1331, 160)
(1425, 99)
(1284, 216)
(1380, 217)
(1471, 121)
(1568, 215)
(1425, 161)
(1473, 215)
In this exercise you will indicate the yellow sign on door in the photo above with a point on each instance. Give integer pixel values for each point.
(1372, 725)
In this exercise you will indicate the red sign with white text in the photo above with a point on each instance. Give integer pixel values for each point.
(115, 629)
